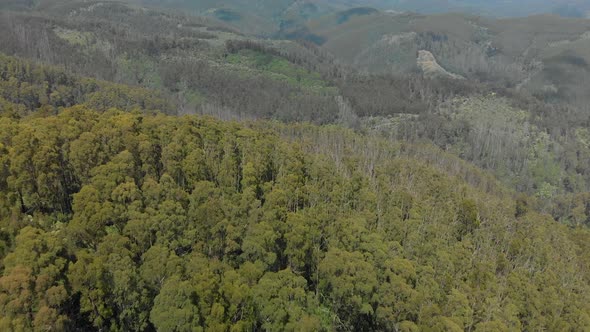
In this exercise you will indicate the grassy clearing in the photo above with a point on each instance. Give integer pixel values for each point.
(74, 37)
(277, 68)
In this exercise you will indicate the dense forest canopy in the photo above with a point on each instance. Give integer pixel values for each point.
(362, 170)
(128, 221)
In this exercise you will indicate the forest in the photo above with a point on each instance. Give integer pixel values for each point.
(168, 171)
(130, 220)
(125, 221)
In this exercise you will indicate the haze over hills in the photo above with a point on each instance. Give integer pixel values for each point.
(293, 165)
(360, 67)
(264, 17)
(541, 54)
(493, 8)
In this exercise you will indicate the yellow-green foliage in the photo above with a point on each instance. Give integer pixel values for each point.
(190, 223)
(74, 37)
(26, 87)
(278, 68)
(87, 41)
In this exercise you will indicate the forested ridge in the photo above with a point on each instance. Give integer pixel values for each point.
(116, 220)
(26, 87)
(127, 221)
(167, 172)
(204, 69)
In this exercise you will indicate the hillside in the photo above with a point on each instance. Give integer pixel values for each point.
(164, 166)
(490, 8)
(259, 18)
(124, 221)
(185, 57)
(265, 17)
(204, 66)
(27, 89)
(543, 55)
(533, 67)
(201, 66)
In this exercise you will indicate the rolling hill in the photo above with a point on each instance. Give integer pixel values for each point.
(492, 8)
(165, 166)
(406, 73)
(135, 221)
(545, 55)
(186, 57)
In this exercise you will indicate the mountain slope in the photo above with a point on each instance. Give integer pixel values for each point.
(205, 66)
(451, 204)
(493, 8)
(202, 66)
(186, 57)
(128, 221)
(544, 55)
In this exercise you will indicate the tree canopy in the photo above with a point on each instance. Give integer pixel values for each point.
(125, 221)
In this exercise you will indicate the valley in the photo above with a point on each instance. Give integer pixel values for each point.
(294, 165)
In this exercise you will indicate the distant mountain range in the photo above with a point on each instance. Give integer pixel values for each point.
(543, 54)
(267, 17)
(507, 8)
(495, 8)
(262, 17)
